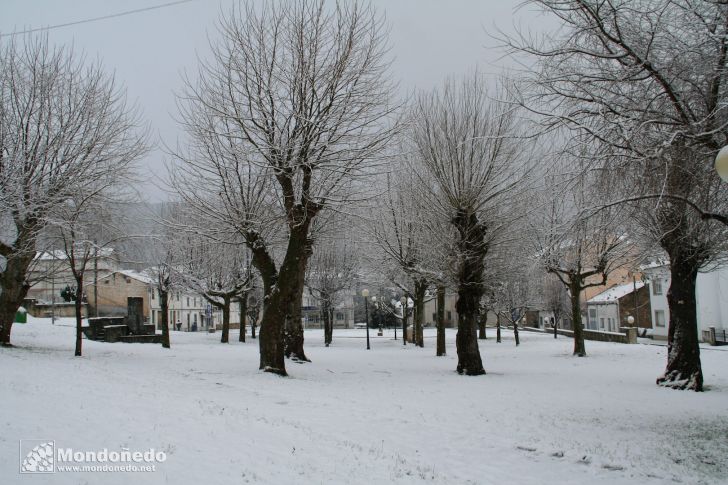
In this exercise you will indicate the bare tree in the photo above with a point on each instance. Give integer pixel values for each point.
(63, 123)
(84, 226)
(648, 79)
(470, 161)
(219, 272)
(333, 269)
(581, 251)
(555, 300)
(292, 108)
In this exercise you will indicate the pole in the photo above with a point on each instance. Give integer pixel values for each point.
(96, 278)
(366, 313)
(404, 324)
(634, 292)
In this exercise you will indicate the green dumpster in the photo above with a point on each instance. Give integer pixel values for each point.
(21, 316)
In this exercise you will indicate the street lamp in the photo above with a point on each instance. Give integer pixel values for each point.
(630, 320)
(365, 294)
(403, 301)
(721, 163)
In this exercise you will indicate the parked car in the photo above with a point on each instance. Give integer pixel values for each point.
(360, 325)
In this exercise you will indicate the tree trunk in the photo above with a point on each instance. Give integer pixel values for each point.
(515, 333)
(279, 301)
(14, 289)
(253, 324)
(472, 249)
(225, 337)
(577, 326)
(294, 337)
(243, 314)
(556, 323)
(294, 322)
(78, 305)
(164, 304)
(498, 330)
(683, 361)
(440, 321)
(404, 323)
(482, 321)
(420, 291)
(330, 335)
(326, 314)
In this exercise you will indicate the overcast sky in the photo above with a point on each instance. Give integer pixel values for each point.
(148, 51)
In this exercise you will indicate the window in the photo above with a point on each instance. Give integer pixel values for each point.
(339, 316)
(657, 287)
(449, 315)
(434, 317)
(195, 319)
(659, 318)
(153, 292)
(592, 318)
(188, 319)
(153, 318)
(601, 322)
(188, 301)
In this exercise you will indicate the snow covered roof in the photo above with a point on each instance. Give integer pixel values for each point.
(616, 292)
(132, 274)
(59, 254)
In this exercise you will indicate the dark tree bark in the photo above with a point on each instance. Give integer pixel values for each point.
(164, 305)
(575, 288)
(14, 289)
(294, 326)
(78, 307)
(282, 290)
(556, 323)
(472, 248)
(440, 321)
(243, 314)
(419, 317)
(482, 323)
(326, 313)
(225, 337)
(515, 333)
(498, 331)
(683, 369)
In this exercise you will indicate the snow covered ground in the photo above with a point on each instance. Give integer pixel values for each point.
(389, 415)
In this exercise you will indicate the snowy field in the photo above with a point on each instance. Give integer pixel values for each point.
(389, 415)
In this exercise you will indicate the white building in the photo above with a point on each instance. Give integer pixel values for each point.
(190, 311)
(603, 312)
(711, 294)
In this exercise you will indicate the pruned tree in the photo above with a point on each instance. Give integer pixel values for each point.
(333, 269)
(648, 80)
(220, 272)
(292, 108)
(469, 159)
(84, 226)
(579, 250)
(555, 300)
(64, 123)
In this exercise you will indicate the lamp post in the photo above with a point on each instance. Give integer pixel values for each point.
(630, 320)
(403, 301)
(721, 163)
(365, 294)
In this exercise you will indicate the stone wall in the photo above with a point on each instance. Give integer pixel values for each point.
(628, 335)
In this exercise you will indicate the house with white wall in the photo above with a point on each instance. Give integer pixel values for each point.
(612, 308)
(711, 294)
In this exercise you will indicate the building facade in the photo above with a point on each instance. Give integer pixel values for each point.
(711, 295)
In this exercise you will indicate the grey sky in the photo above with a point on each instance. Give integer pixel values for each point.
(148, 51)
